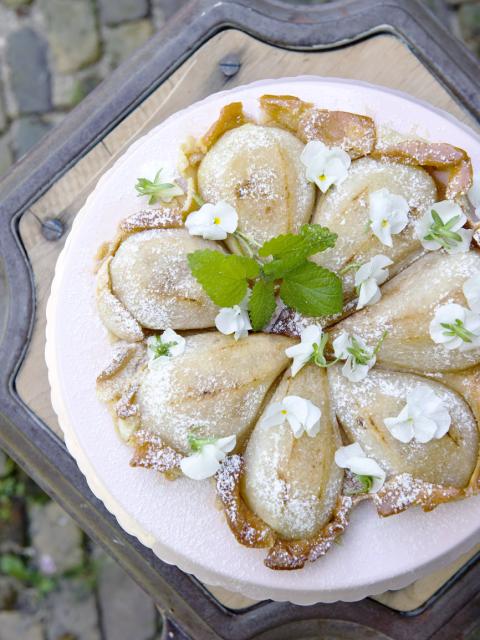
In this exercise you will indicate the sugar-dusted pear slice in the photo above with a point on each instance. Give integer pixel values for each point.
(114, 315)
(362, 407)
(345, 211)
(215, 389)
(257, 170)
(151, 278)
(294, 484)
(408, 305)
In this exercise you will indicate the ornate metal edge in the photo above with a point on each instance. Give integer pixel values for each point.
(28, 440)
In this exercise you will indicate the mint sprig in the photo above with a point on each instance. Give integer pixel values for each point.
(312, 290)
(290, 251)
(261, 304)
(224, 277)
(280, 265)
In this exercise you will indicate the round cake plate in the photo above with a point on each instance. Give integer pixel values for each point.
(179, 520)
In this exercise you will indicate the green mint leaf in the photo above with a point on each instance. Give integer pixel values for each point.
(289, 250)
(280, 245)
(261, 304)
(311, 239)
(224, 277)
(312, 290)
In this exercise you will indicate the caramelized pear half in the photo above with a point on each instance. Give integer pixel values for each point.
(257, 170)
(151, 277)
(294, 484)
(345, 211)
(408, 304)
(362, 407)
(214, 389)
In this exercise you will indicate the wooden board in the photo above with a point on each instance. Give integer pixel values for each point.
(382, 60)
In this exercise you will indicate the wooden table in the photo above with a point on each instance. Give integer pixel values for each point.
(206, 48)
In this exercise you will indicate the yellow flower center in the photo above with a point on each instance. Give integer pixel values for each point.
(284, 412)
(216, 220)
(384, 223)
(322, 178)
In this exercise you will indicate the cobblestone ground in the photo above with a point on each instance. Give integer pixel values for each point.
(54, 583)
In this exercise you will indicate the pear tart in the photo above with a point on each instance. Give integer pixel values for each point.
(219, 296)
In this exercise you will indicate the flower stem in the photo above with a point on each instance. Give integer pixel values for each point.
(458, 329)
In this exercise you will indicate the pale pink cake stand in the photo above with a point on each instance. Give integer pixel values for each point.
(179, 520)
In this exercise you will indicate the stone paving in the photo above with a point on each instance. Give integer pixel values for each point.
(54, 583)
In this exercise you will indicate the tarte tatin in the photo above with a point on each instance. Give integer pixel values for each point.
(297, 315)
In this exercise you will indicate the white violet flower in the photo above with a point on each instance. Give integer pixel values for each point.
(325, 165)
(471, 291)
(441, 227)
(312, 342)
(455, 327)
(301, 414)
(473, 194)
(423, 418)
(162, 348)
(388, 215)
(234, 319)
(367, 470)
(213, 221)
(207, 455)
(359, 358)
(368, 277)
(160, 183)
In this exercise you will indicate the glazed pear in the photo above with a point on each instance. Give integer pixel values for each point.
(214, 389)
(408, 304)
(362, 407)
(114, 316)
(150, 276)
(345, 211)
(293, 483)
(257, 170)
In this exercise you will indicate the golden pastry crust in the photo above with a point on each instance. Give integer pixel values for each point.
(404, 491)
(152, 453)
(450, 166)
(354, 133)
